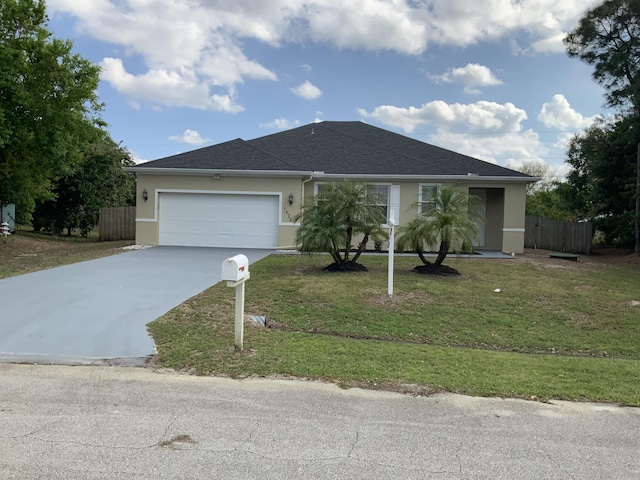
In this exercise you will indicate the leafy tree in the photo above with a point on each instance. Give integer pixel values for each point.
(608, 37)
(452, 224)
(330, 220)
(97, 181)
(537, 168)
(550, 202)
(602, 179)
(48, 104)
(545, 198)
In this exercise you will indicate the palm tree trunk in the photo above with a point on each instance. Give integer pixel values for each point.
(361, 248)
(422, 257)
(442, 253)
(348, 245)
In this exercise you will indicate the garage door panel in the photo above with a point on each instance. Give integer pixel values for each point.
(218, 220)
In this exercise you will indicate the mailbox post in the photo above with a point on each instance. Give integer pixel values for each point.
(392, 227)
(235, 271)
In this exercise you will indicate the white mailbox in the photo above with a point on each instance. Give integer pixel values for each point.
(235, 268)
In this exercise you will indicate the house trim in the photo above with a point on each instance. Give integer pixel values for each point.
(328, 176)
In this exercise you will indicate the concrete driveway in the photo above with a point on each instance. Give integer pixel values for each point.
(92, 311)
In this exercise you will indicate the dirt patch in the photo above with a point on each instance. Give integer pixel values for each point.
(171, 443)
(405, 388)
(19, 246)
(600, 255)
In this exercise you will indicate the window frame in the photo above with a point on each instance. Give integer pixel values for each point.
(422, 201)
(386, 185)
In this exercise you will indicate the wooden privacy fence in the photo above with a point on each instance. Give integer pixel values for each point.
(557, 235)
(118, 223)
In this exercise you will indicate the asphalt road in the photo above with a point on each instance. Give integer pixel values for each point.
(97, 311)
(61, 422)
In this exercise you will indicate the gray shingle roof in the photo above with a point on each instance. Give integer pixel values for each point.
(338, 148)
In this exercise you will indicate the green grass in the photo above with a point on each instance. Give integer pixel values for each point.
(27, 251)
(555, 330)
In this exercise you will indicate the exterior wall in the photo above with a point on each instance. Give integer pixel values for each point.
(504, 213)
(147, 212)
(515, 198)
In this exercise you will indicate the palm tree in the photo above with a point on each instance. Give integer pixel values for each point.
(330, 220)
(451, 223)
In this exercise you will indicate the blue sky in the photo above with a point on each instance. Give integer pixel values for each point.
(488, 78)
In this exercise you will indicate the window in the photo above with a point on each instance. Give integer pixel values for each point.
(380, 196)
(378, 193)
(426, 199)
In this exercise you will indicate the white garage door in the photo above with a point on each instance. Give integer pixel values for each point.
(218, 220)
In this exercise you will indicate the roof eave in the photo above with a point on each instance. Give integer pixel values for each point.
(328, 176)
(441, 178)
(211, 171)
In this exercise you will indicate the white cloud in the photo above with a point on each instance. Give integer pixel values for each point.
(369, 24)
(479, 117)
(170, 88)
(486, 130)
(281, 124)
(137, 158)
(199, 43)
(558, 113)
(551, 44)
(471, 76)
(191, 137)
(544, 22)
(504, 149)
(307, 90)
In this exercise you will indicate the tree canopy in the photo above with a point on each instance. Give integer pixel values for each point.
(96, 181)
(608, 38)
(330, 220)
(603, 163)
(48, 105)
(603, 177)
(451, 224)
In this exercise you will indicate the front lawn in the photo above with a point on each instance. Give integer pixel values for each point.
(556, 329)
(26, 251)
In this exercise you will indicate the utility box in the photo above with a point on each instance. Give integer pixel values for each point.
(8, 215)
(235, 268)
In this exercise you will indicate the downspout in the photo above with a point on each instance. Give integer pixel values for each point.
(302, 188)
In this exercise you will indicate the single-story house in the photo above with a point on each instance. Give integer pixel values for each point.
(247, 193)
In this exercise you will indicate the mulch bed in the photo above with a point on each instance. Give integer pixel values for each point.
(433, 269)
(346, 267)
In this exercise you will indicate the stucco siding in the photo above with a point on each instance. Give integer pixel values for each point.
(515, 199)
(504, 212)
(147, 212)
